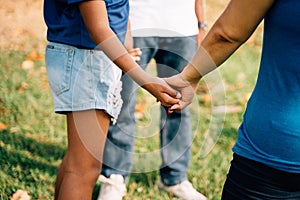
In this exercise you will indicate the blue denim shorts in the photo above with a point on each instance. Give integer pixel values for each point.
(83, 79)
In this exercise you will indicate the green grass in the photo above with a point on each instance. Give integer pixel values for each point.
(33, 139)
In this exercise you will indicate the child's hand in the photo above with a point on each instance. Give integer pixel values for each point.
(135, 54)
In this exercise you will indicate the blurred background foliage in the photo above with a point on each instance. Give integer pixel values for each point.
(33, 138)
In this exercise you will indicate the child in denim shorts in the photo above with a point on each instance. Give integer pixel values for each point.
(84, 59)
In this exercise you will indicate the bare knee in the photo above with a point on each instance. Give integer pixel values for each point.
(88, 168)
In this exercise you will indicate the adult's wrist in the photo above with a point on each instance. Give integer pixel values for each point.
(202, 25)
(190, 76)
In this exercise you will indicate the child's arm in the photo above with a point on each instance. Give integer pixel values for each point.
(96, 20)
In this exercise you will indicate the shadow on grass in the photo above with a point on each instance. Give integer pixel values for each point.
(147, 179)
(29, 164)
(28, 153)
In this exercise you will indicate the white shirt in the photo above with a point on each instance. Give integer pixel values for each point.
(163, 18)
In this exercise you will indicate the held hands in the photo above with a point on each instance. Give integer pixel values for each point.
(162, 91)
(186, 90)
(157, 86)
(166, 90)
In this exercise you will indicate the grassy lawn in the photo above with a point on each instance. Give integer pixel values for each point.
(33, 138)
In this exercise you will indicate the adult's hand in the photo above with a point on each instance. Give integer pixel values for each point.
(135, 54)
(186, 90)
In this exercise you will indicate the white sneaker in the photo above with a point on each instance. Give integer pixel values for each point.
(112, 188)
(183, 190)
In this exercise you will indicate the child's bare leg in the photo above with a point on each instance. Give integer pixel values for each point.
(82, 163)
(59, 178)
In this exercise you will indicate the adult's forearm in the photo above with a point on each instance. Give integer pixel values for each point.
(212, 52)
(232, 29)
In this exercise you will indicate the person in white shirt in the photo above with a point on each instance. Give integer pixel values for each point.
(167, 31)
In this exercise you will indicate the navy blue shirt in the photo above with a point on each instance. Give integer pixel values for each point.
(270, 132)
(65, 23)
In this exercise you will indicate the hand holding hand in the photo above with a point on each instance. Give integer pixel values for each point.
(162, 91)
(186, 90)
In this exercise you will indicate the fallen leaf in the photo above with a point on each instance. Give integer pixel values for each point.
(23, 87)
(14, 129)
(206, 98)
(35, 56)
(171, 194)
(20, 195)
(140, 189)
(132, 186)
(3, 126)
(140, 107)
(27, 65)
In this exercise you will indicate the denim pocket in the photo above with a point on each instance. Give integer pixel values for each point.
(59, 59)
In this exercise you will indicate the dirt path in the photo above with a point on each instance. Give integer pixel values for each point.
(21, 25)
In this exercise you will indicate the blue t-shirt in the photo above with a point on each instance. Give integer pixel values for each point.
(270, 132)
(65, 23)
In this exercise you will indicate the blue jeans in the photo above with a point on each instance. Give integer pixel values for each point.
(171, 55)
